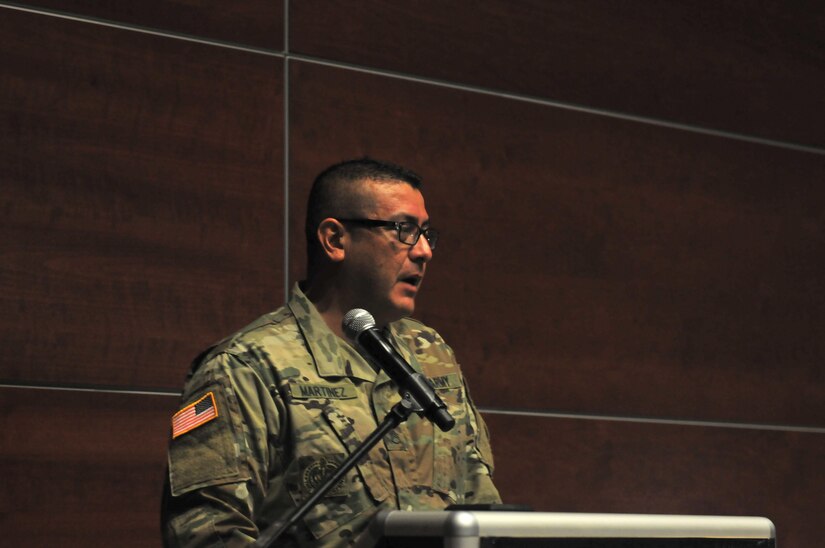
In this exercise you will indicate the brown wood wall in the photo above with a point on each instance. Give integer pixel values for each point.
(632, 200)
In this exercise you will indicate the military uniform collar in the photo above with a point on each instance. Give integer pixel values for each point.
(333, 356)
(328, 350)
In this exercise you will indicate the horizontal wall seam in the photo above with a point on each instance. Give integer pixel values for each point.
(485, 410)
(93, 388)
(650, 420)
(430, 81)
(563, 106)
(143, 30)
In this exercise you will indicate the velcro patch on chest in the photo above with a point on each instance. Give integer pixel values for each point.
(316, 470)
(316, 391)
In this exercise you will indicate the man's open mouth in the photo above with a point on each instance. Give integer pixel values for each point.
(412, 280)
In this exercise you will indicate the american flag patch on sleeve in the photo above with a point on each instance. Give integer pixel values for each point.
(195, 414)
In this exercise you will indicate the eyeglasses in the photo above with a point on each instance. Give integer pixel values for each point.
(408, 231)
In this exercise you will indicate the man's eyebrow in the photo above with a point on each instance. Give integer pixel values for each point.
(406, 217)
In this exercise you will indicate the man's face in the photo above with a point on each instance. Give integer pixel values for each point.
(383, 274)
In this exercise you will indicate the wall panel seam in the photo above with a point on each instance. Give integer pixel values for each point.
(651, 420)
(561, 105)
(97, 389)
(140, 29)
(286, 151)
(484, 410)
(429, 81)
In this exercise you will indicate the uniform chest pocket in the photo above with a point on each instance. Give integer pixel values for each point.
(327, 437)
(374, 470)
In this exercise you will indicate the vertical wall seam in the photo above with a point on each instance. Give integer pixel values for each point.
(286, 150)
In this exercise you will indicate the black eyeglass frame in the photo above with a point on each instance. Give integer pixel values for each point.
(430, 234)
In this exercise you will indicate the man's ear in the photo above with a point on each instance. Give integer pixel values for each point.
(331, 234)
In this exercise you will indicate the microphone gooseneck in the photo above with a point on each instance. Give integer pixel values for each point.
(359, 326)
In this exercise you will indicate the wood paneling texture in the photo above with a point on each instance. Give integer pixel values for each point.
(590, 264)
(142, 200)
(734, 66)
(248, 22)
(573, 465)
(82, 468)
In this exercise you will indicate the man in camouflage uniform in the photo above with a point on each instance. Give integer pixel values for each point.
(268, 412)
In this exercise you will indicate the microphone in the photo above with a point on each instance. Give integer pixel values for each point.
(359, 325)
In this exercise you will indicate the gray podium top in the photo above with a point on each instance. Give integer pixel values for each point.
(471, 529)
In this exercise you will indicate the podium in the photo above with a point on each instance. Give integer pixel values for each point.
(504, 529)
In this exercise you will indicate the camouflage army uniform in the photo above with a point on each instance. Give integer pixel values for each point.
(290, 400)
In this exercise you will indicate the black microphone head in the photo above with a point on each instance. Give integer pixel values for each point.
(356, 321)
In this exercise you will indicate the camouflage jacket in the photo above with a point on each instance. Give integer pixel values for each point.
(267, 412)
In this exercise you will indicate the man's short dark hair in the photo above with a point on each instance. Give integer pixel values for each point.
(335, 192)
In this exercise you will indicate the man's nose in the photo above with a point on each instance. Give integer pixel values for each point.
(421, 250)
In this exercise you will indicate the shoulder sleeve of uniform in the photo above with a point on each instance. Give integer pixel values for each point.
(422, 339)
(238, 340)
(229, 422)
(224, 443)
(207, 445)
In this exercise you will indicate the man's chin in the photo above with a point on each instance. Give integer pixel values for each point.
(400, 310)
